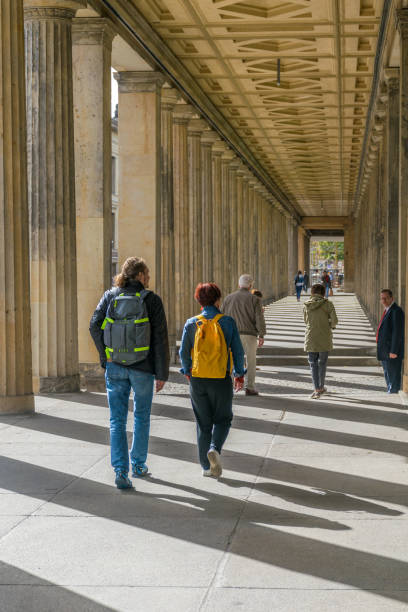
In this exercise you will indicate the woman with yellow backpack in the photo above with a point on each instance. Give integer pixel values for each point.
(210, 352)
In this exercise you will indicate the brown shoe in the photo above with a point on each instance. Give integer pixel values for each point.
(251, 392)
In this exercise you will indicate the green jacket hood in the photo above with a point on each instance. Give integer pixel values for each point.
(316, 301)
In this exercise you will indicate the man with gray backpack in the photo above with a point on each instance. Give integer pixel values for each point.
(129, 329)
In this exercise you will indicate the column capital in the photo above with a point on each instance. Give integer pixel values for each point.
(52, 9)
(183, 113)
(134, 81)
(228, 155)
(92, 31)
(392, 79)
(209, 137)
(197, 126)
(169, 98)
(220, 148)
(402, 21)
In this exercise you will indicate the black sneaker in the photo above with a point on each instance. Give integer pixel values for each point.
(122, 481)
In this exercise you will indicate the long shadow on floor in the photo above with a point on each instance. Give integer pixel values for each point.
(283, 429)
(245, 463)
(286, 376)
(21, 590)
(242, 536)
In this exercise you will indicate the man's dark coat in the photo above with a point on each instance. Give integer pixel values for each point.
(391, 334)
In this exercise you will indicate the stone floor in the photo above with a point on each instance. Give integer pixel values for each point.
(311, 512)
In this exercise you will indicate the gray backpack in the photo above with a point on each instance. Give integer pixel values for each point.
(126, 328)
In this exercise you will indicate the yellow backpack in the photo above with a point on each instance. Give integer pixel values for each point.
(209, 353)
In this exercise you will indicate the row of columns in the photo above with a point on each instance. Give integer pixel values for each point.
(214, 219)
(188, 204)
(380, 227)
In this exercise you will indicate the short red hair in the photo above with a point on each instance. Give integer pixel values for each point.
(207, 294)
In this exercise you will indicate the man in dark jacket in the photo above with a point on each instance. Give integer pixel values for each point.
(120, 379)
(390, 341)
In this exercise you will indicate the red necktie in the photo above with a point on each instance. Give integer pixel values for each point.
(379, 325)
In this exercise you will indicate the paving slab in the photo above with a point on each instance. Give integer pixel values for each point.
(310, 512)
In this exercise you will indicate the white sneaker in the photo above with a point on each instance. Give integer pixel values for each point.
(207, 473)
(315, 395)
(215, 463)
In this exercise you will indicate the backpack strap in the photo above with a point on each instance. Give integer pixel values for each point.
(143, 294)
(203, 318)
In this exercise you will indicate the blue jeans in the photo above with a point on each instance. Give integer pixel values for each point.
(392, 373)
(326, 291)
(212, 405)
(298, 291)
(318, 365)
(119, 381)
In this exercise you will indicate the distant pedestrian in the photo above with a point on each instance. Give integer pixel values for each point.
(390, 341)
(326, 283)
(305, 281)
(258, 294)
(299, 280)
(246, 309)
(130, 332)
(210, 349)
(320, 317)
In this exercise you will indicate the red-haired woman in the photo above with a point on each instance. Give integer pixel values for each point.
(210, 349)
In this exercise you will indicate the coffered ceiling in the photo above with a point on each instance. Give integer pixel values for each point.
(306, 130)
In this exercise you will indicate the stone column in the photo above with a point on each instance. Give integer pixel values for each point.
(168, 289)
(245, 221)
(208, 138)
(182, 113)
(51, 193)
(218, 149)
(402, 21)
(233, 222)
(91, 54)
(139, 135)
(240, 219)
(16, 393)
(251, 225)
(293, 254)
(392, 164)
(194, 131)
(257, 227)
(226, 158)
(349, 257)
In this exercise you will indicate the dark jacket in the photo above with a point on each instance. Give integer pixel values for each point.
(391, 334)
(158, 359)
(326, 281)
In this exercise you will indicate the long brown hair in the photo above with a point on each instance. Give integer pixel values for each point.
(130, 270)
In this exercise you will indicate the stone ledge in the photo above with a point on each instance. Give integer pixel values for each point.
(56, 384)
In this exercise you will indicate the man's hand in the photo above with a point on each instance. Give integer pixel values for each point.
(393, 356)
(238, 383)
(159, 385)
(261, 342)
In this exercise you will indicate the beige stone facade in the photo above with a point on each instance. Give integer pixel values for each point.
(207, 172)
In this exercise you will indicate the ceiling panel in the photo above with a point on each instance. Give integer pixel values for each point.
(306, 130)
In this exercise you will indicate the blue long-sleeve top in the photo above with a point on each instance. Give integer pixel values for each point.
(232, 340)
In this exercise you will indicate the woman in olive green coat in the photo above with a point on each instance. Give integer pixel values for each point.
(320, 318)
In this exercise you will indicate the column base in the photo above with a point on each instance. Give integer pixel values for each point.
(405, 384)
(17, 404)
(56, 384)
(92, 377)
(404, 398)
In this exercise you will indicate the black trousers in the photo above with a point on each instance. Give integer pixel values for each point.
(212, 404)
(392, 373)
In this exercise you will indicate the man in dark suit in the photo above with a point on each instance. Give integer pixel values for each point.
(390, 341)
